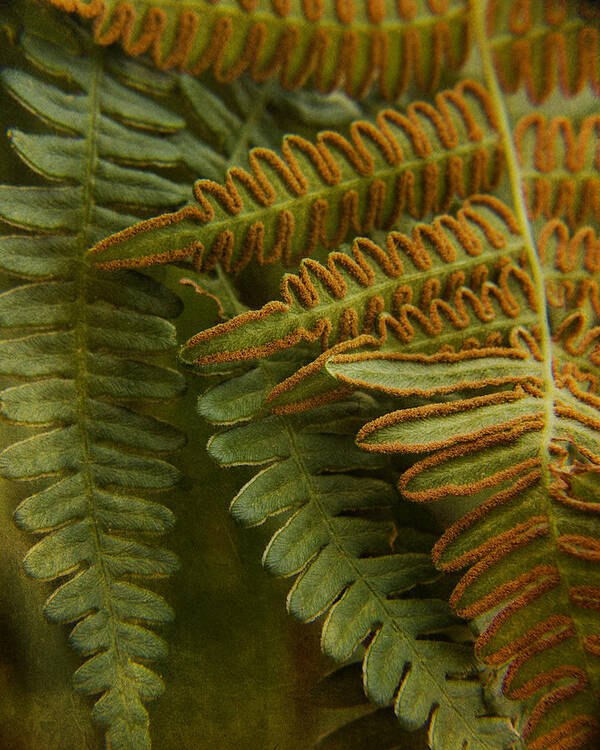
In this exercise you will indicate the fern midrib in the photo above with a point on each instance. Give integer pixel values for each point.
(537, 271)
(80, 327)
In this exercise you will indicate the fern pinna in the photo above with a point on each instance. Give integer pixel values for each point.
(94, 344)
(491, 314)
(478, 309)
(287, 208)
(347, 45)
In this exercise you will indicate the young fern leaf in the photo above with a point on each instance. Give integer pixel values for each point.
(340, 551)
(354, 45)
(316, 196)
(80, 332)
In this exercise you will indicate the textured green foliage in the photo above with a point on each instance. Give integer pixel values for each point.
(516, 430)
(328, 45)
(319, 194)
(340, 549)
(434, 283)
(511, 274)
(479, 311)
(86, 342)
(79, 334)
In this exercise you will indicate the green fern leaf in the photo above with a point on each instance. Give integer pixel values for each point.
(493, 347)
(424, 290)
(507, 411)
(288, 207)
(516, 429)
(85, 332)
(78, 332)
(414, 46)
(527, 542)
(343, 560)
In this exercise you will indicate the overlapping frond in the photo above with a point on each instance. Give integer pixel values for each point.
(89, 341)
(486, 325)
(285, 207)
(354, 45)
(85, 352)
(519, 435)
(463, 272)
(337, 541)
(258, 116)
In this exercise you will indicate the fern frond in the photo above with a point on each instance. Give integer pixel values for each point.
(464, 272)
(349, 45)
(81, 339)
(339, 549)
(82, 360)
(519, 435)
(317, 195)
(261, 116)
(536, 46)
(487, 327)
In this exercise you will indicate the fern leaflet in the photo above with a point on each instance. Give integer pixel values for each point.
(350, 44)
(462, 272)
(287, 207)
(356, 45)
